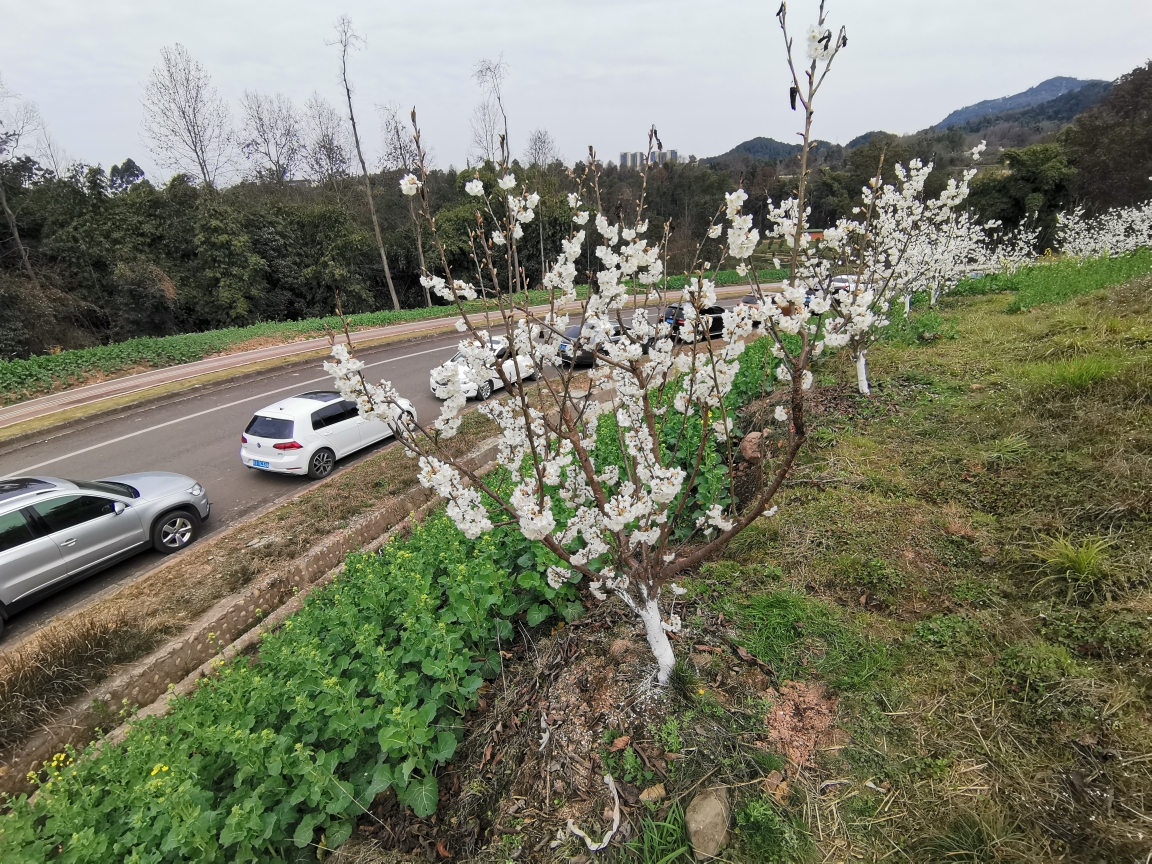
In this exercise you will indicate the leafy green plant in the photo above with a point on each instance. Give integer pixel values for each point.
(1076, 374)
(1082, 569)
(359, 692)
(662, 841)
(950, 633)
(768, 837)
(1010, 450)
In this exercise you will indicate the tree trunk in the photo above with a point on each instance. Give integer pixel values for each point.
(368, 184)
(16, 236)
(657, 640)
(862, 372)
(907, 304)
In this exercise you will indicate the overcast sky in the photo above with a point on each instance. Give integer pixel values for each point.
(709, 74)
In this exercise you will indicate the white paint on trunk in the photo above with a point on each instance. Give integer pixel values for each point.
(657, 639)
(862, 372)
(907, 304)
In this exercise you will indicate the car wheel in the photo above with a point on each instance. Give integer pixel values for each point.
(484, 391)
(173, 531)
(321, 463)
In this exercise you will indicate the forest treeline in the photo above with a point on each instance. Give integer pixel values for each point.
(109, 255)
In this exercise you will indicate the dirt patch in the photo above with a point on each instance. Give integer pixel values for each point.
(801, 715)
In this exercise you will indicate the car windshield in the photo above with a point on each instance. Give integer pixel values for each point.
(110, 486)
(270, 427)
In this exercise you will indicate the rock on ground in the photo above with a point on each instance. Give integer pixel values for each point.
(707, 822)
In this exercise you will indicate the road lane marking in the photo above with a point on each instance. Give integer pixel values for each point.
(295, 386)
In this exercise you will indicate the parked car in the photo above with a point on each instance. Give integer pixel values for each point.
(712, 315)
(55, 532)
(307, 433)
(586, 355)
(443, 373)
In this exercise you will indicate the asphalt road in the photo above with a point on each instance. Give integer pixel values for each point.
(198, 433)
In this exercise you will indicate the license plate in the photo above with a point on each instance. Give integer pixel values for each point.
(256, 463)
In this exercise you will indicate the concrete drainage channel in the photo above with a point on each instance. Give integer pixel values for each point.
(235, 622)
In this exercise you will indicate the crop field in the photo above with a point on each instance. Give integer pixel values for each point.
(47, 373)
(937, 651)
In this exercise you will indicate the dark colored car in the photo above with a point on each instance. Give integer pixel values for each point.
(714, 315)
(584, 356)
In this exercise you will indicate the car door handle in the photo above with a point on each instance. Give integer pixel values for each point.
(71, 542)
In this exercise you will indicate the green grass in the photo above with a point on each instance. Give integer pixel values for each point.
(980, 528)
(1058, 281)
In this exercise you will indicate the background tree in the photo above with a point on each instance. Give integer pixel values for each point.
(271, 136)
(1111, 145)
(326, 147)
(1030, 183)
(489, 119)
(18, 120)
(188, 125)
(347, 39)
(541, 150)
(485, 127)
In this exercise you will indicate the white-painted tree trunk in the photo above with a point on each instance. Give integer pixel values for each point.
(657, 639)
(862, 372)
(907, 304)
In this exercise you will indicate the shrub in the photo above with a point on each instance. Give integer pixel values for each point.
(359, 692)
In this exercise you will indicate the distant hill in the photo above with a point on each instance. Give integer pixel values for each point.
(763, 148)
(1045, 91)
(1059, 111)
(861, 140)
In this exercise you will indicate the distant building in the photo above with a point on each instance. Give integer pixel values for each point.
(635, 159)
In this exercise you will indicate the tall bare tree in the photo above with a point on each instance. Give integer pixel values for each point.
(541, 150)
(348, 39)
(271, 137)
(18, 120)
(485, 133)
(189, 127)
(490, 75)
(399, 146)
(327, 143)
(402, 154)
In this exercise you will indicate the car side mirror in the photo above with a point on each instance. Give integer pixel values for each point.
(118, 507)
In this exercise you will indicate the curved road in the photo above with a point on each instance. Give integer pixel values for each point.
(197, 433)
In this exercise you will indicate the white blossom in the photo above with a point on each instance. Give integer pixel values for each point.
(409, 185)
(474, 187)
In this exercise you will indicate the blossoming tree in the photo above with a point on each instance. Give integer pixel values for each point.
(625, 519)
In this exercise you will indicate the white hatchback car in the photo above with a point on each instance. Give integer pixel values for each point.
(306, 434)
(455, 367)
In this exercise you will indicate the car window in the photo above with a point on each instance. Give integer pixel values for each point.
(502, 354)
(328, 415)
(72, 510)
(107, 486)
(14, 530)
(351, 410)
(270, 427)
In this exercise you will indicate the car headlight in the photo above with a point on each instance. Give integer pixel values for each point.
(196, 490)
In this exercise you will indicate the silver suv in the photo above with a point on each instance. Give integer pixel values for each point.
(55, 532)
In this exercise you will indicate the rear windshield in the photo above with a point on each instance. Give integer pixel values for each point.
(270, 427)
(108, 486)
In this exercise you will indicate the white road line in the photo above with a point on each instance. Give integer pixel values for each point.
(295, 386)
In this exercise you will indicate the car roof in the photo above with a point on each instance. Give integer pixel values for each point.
(19, 490)
(301, 405)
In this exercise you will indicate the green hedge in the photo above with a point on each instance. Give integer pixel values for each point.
(364, 689)
(23, 379)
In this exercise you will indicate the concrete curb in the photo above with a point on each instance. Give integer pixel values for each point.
(231, 621)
